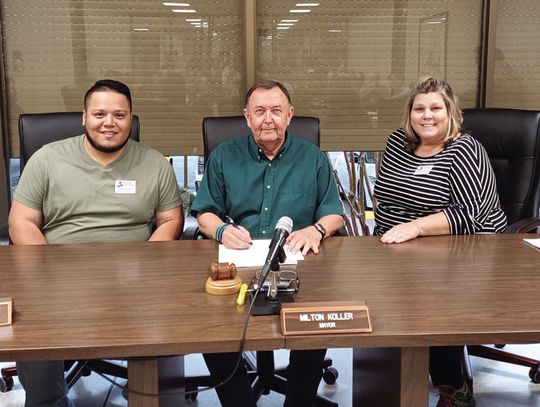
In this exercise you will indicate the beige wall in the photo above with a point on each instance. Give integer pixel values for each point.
(514, 56)
(178, 72)
(352, 62)
(349, 62)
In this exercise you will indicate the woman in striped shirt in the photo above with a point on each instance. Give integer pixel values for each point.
(436, 179)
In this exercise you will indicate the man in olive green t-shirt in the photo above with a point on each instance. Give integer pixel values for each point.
(97, 187)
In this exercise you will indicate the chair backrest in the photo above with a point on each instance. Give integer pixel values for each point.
(511, 138)
(38, 129)
(216, 130)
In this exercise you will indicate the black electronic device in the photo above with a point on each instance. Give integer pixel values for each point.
(269, 280)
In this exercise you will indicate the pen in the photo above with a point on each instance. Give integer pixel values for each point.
(231, 222)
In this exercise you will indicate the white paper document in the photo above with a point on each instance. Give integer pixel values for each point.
(533, 242)
(255, 255)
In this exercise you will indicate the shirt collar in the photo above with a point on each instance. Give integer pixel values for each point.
(258, 154)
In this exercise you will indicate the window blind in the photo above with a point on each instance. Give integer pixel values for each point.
(516, 72)
(180, 66)
(352, 62)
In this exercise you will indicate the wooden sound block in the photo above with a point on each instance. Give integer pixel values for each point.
(6, 309)
(223, 287)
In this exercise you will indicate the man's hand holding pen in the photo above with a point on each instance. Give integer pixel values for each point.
(235, 236)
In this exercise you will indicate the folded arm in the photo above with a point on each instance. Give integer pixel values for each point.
(25, 225)
(431, 225)
(169, 225)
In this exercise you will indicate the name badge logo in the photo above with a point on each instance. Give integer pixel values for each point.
(423, 169)
(125, 187)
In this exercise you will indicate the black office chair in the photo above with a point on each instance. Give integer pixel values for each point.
(511, 138)
(4, 234)
(260, 365)
(36, 130)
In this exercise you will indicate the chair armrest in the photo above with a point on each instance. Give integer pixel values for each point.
(341, 232)
(193, 233)
(4, 234)
(524, 225)
(190, 233)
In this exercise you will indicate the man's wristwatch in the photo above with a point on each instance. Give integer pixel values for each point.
(321, 229)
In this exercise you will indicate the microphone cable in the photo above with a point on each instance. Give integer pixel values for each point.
(284, 225)
(198, 390)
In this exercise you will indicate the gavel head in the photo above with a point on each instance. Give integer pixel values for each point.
(222, 271)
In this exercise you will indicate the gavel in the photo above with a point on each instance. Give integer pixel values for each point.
(222, 271)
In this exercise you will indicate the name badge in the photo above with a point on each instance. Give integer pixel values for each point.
(125, 187)
(423, 169)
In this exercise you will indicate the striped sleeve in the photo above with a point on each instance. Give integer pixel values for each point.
(473, 192)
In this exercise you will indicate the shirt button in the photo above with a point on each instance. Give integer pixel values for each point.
(268, 186)
(265, 209)
(270, 164)
(264, 232)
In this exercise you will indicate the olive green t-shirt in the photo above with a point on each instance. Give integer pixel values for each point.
(83, 201)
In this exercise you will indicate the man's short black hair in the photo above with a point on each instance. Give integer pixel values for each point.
(267, 84)
(108, 85)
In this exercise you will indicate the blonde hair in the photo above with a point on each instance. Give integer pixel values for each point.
(429, 85)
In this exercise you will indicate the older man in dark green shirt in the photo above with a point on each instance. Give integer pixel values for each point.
(255, 180)
(242, 183)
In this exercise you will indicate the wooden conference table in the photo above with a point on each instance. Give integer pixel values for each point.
(145, 301)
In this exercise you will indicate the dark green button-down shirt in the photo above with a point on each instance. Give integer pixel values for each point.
(240, 181)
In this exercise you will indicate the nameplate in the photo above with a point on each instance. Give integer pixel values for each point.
(6, 308)
(312, 318)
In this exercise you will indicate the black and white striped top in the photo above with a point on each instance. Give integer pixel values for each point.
(458, 181)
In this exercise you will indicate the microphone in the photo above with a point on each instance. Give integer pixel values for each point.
(283, 228)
